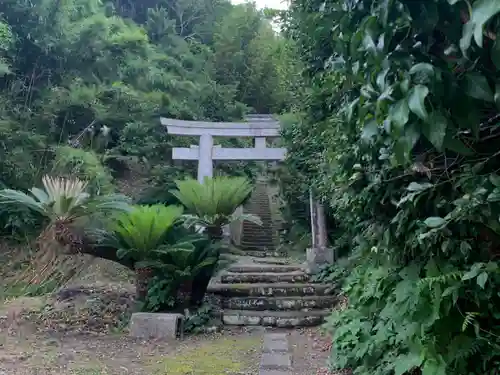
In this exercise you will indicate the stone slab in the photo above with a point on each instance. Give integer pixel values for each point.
(156, 326)
(275, 346)
(276, 336)
(276, 361)
(274, 372)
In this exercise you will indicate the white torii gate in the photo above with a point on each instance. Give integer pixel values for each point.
(258, 127)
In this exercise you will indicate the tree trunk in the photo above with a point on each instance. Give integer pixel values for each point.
(90, 247)
(203, 278)
(184, 293)
(214, 232)
(143, 276)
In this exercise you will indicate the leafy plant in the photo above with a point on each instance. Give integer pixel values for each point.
(398, 133)
(65, 201)
(138, 233)
(197, 321)
(213, 203)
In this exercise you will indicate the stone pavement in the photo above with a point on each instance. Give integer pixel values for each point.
(276, 355)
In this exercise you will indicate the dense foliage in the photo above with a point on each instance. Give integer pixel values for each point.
(84, 82)
(399, 135)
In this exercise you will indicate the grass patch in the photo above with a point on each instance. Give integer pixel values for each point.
(226, 355)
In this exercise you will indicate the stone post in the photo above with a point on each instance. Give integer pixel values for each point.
(319, 254)
(205, 164)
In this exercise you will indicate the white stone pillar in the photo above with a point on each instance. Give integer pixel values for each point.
(205, 163)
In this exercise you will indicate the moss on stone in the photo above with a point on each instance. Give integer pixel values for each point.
(224, 356)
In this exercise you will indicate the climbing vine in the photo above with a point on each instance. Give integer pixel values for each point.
(403, 108)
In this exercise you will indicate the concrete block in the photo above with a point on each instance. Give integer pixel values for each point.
(276, 361)
(157, 326)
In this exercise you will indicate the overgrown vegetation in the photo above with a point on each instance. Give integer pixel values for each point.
(398, 134)
(83, 84)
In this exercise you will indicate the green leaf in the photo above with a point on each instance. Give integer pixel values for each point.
(434, 222)
(423, 68)
(414, 186)
(406, 363)
(494, 196)
(466, 39)
(399, 113)
(453, 2)
(416, 101)
(477, 87)
(495, 180)
(435, 129)
(474, 271)
(482, 279)
(456, 145)
(434, 368)
(369, 131)
(482, 12)
(496, 97)
(495, 54)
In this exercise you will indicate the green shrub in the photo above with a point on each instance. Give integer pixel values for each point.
(86, 165)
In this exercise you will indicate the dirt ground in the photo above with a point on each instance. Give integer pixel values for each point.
(79, 332)
(311, 350)
(25, 353)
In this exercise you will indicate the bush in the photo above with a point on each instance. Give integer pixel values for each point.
(401, 131)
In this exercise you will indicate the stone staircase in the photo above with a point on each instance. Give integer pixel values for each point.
(263, 288)
(259, 240)
(270, 292)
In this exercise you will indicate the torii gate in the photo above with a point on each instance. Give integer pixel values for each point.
(258, 127)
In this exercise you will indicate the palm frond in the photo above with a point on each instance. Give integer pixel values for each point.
(214, 201)
(144, 228)
(15, 197)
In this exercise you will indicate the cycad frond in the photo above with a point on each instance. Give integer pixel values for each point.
(144, 228)
(216, 199)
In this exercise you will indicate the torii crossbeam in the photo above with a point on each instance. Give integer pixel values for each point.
(258, 127)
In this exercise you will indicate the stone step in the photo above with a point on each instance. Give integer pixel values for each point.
(257, 246)
(271, 260)
(258, 231)
(266, 227)
(262, 216)
(271, 289)
(270, 267)
(264, 277)
(282, 319)
(303, 303)
(263, 254)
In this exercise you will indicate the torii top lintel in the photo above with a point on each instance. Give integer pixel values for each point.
(255, 126)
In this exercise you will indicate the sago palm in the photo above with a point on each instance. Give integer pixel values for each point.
(143, 229)
(213, 203)
(138, 233)
(67, 205)
(64, 201)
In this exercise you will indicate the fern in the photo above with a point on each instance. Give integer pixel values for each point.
(470, 318)
(445, 279)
